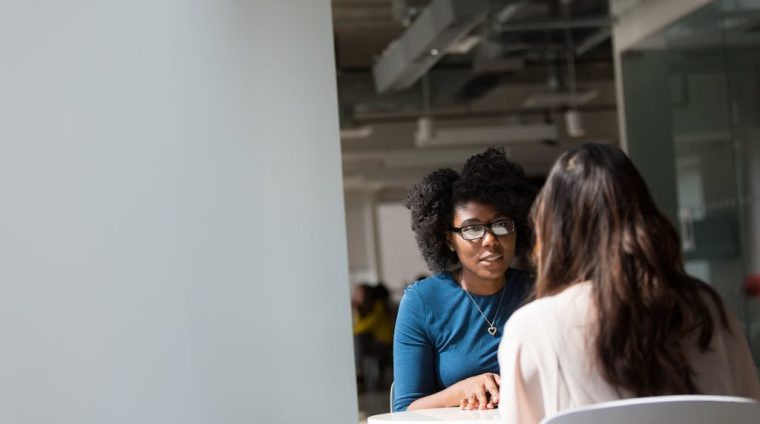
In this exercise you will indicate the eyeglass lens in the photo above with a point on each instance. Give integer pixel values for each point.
(476, 231)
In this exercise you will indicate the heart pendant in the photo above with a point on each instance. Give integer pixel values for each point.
(492, 330)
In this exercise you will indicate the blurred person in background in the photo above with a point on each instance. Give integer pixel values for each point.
(373, 332)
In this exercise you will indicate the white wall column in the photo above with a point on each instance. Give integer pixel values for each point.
(171, 240)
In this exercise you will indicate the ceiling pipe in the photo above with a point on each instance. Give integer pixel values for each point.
(557, 24)
(593, 40)
(414, 115)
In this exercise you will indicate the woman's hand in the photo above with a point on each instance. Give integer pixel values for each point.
(479, 392)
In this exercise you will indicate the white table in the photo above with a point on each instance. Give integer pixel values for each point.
(443, 415)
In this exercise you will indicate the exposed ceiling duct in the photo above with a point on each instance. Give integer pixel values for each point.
(479, 73)
(441, 24)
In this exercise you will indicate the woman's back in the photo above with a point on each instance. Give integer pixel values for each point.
(550, 358)
(617, 315)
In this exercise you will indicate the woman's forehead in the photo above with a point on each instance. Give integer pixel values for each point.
(476, 210)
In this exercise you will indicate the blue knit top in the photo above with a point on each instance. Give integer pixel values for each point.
(441, 338)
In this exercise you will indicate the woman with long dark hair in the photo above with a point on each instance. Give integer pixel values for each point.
(615, 315)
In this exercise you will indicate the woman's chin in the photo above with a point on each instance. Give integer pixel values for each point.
(492, 271)
(496, 267)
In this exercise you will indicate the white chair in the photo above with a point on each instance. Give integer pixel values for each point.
(390, 401)
(691, 409)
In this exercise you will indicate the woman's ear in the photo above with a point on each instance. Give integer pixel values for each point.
(450, 242)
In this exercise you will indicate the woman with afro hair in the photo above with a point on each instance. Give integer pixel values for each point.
(469, 227)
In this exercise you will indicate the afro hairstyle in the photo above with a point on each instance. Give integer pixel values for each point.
(488, 178)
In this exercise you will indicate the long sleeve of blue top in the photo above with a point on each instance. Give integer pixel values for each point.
(441, 338)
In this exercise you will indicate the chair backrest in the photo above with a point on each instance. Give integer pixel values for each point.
(691, 409)
(390, 400)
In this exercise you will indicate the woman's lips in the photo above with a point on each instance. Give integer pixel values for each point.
(492, 258)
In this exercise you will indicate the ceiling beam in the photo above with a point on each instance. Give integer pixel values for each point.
(424, 43)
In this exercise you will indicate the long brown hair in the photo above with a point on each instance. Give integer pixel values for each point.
(595, 220)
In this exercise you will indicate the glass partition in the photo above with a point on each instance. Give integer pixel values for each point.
(692, 101)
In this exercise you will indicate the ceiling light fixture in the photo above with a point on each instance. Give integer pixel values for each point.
(356, 133)
(427, 135)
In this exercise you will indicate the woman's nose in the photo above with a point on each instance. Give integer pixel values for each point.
(489, 238)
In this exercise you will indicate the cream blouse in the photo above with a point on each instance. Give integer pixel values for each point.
(547, 365)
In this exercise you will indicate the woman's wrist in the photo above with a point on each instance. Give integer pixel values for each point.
(447, 397)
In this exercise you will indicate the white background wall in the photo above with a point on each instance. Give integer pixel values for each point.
(361, 229)
(401, 259)
(381, 245)
(171, 243)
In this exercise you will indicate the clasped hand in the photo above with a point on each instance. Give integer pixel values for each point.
(479, 392)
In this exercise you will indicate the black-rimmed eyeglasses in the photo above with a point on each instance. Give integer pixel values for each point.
(476, 231)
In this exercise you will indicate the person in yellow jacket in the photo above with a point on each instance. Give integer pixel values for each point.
(373, 327)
